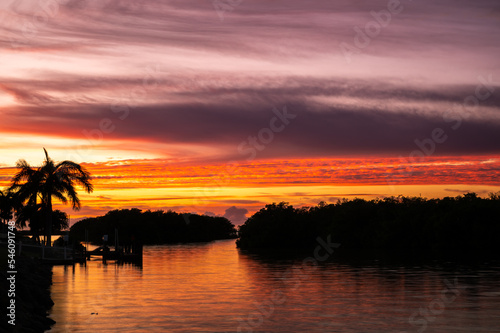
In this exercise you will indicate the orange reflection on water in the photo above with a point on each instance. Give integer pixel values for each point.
(212, 287)
(175, 285)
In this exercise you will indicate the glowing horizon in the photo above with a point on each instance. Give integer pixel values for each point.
(239, 189)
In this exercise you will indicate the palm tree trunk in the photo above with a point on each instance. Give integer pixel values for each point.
(48, 224)
(36, 236)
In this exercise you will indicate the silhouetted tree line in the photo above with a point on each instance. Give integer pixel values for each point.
(152, 227)
(465, 222)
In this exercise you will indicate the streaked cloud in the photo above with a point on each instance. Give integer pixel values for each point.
(168, 91)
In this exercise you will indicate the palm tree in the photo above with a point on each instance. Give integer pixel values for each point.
(51, 180)
(36, 215)
(5, 210)
(8, 204)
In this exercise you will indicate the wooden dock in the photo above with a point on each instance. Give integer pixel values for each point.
(63, 255)
(122, 254)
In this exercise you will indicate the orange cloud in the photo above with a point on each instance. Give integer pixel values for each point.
(159, 184)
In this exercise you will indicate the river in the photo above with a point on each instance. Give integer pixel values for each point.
(212, 287)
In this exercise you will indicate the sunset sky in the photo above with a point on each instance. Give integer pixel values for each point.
(221, 107)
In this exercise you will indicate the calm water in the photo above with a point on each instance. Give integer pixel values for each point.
(214, 288)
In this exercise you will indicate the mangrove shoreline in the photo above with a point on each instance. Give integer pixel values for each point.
(410, 224)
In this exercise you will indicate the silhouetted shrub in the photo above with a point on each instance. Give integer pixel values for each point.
(153, 227)
(462, 222)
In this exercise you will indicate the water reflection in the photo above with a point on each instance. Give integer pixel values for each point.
(215, 288)
(349, 295)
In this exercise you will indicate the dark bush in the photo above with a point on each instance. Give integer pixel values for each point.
(412, 223)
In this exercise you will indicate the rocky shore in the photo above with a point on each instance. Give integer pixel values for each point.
(32, 297)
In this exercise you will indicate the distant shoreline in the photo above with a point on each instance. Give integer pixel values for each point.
(128, 226)
(465, 222)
